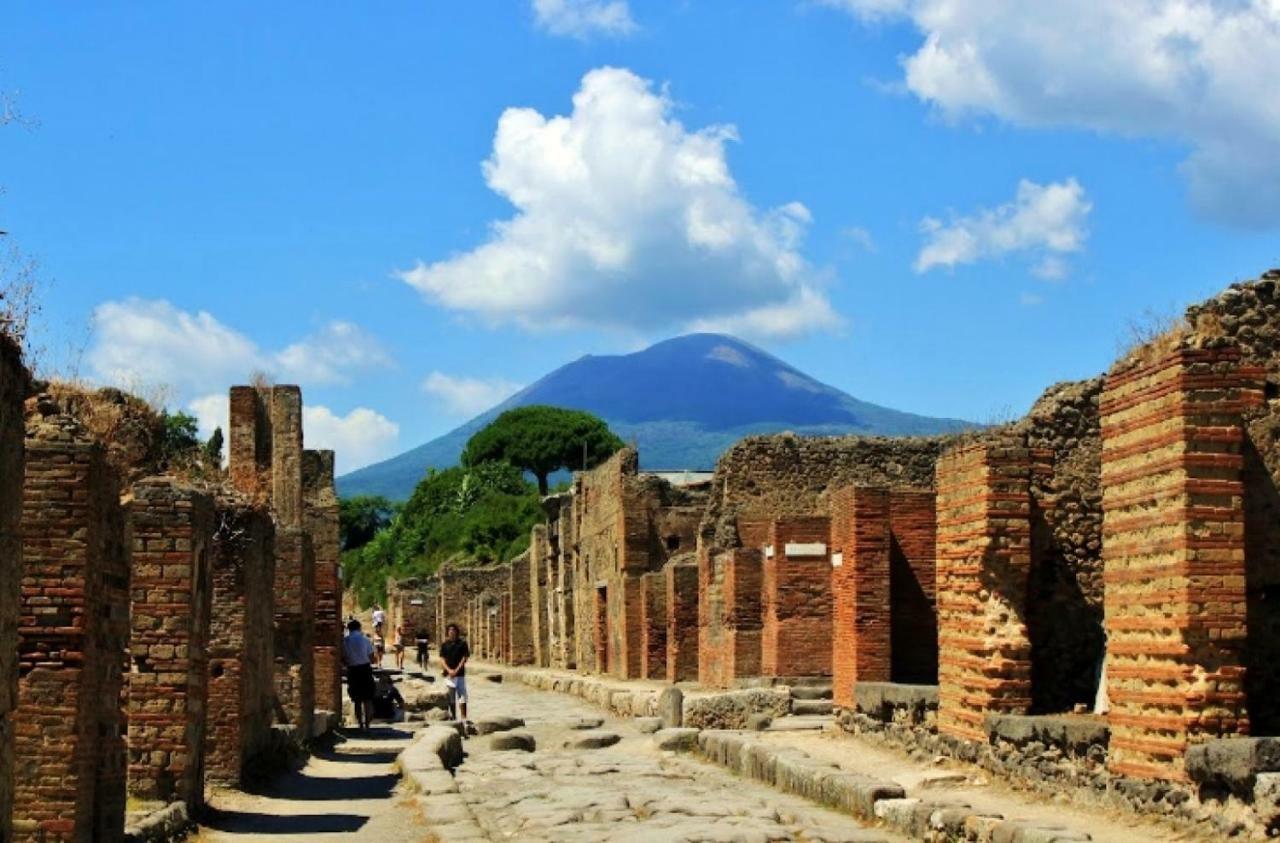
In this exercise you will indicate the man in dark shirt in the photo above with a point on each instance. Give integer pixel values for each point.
(454, 653)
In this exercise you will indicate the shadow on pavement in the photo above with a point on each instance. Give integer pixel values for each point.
(247, 822)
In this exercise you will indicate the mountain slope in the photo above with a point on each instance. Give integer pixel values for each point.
(683, 401)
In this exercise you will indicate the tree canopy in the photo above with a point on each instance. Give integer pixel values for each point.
(541, 439)
(361, 517)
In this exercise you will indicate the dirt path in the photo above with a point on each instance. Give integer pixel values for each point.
(340, 793)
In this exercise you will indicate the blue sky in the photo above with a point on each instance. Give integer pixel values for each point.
(938, 205)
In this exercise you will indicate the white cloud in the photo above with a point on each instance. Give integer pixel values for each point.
(860, 237)
(139, 343)
(332, 355)
(464, 396)
(626, 219)
(1198, 72)
(1043, 221)
(361, 437)
(212, 411)
(584, 18)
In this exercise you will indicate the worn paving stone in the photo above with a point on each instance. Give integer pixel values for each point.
(513, 741)
(593, 740)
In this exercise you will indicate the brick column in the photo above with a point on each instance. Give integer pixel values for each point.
(632, 628)
(521, 641)
(860, 546)
(796, 636)
(249, 442)
(653, 621)
(294, 627)
(742, 584)
(682, 622)
(1173, 552)
(710, 616)
(73, 629)
(241, 653)
(913, 574)
(170, 530)
(322, 522)
(13, 380)
(984, 557)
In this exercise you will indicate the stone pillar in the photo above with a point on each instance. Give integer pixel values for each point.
(984, 557)
(682, 622)
(796, 635)
(860, 548)
(241, 651)
(73, 630)
(744, 614)
(170, 530)
(294, 628)
(249, 442)
(539, 551)
(522, 602)
(321, 509)
(653, 622)
(286, 455)
(1173, 555)
(711, 613)
(13, 384)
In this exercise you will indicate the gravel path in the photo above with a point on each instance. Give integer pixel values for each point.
(342, 793)
(629, 791)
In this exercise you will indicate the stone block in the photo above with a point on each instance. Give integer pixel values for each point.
(1233, 764)
(671, 707)
(676, 740)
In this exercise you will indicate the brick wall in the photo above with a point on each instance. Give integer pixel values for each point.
(294, 627)
(241, 653)
(653, 620)
(860, 583)
(682, 621)
(796, 600)
(1173, 528)
(73, 628)
(13, 383)
(539, 600)
(321, 521)
(249, 442)
(913, 563)
(744, 614)
(984, 556)
(521, 602)
(170, 530)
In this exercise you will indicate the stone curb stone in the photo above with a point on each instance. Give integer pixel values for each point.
(169, 823)
(593, 740)
(680, 739)
(647, 725)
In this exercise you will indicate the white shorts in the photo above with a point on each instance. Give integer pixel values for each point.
(460, 688)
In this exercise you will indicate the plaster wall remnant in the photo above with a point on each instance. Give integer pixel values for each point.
(984, 558)
(170, 533)
(241, 643)
(13, 386)
(320, 506)
(73, 628)
(1174, 548)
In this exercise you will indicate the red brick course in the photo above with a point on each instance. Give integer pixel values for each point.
(860, 551)
(653, 620)
(797, 631)
(682, 621)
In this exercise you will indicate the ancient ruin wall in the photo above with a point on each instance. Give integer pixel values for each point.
(320, 505)
(1174, 522)
(293, 631)
(13, 386)
(541, 615)
(913, 573)
(73, 628)
(796, 599)
(521, 603)
(653, 620)
(241, 644)
(170, 530)
(682, 619)
(984, 558)
(860, 554)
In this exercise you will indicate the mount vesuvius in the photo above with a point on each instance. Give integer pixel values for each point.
(683, 401)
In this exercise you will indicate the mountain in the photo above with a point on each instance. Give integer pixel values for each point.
(683, 401)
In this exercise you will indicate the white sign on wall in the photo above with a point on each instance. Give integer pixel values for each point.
(806, 549)
(837, 559)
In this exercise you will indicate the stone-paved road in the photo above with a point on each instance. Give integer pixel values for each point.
(627, 792)
(346, 793)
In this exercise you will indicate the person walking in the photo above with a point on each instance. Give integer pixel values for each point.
(379, 618)
(424, 651)
(454, 653)
(357, 655)
(397, 645)
(379, 648)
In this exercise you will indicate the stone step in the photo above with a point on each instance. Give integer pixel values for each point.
(811, 707)
(794, 723)
(811, 692)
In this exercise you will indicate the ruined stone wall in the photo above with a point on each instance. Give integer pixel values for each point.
(322, 522)
(413, 603)
(600, 519)
(241, 648)
(13, 387)
(519, 636)
(681, 575)
(564, 574)
(540, 608)
(1174, 547)
(984, 558)
(653, 619)
(73, 629)
(860, 584)
(170, 531)
(796, 599)
(293, 631)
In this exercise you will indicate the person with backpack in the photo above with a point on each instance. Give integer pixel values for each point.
(357, 655)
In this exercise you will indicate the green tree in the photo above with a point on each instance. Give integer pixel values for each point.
(180, 434)
(542, 439)
(361, 517)
(213, 448)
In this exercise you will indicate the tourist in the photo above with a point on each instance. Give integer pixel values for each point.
(356, 655)
(453, 658)
(424, 651)
(379, 618)
(387, 703)
(397, 644)
(379, 648)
